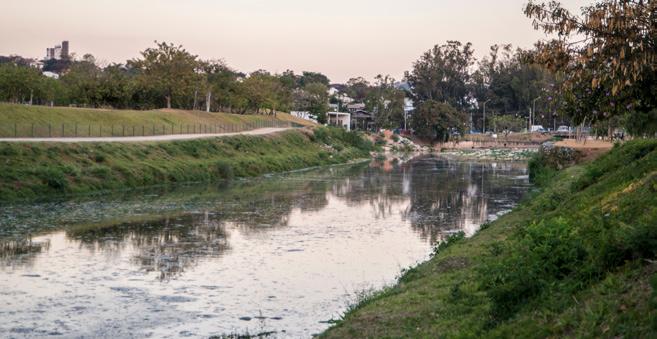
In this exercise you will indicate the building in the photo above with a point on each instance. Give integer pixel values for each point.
(352, 108)
(362, 120)
(339, 119)
(59, 52)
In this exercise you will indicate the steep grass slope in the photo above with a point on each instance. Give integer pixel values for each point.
(575, 260)
(21, 117)
(30, 170)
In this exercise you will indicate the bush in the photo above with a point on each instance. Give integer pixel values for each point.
(54, 178)
(224, 169)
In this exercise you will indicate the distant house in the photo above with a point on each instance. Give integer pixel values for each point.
(352, 108)
(339, 119)
(362, 120)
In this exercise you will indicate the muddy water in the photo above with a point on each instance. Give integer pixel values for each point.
(282, 255)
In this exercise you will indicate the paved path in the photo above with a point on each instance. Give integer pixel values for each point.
(171, 137)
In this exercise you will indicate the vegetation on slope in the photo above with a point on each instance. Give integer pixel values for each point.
(576, 260)
(29, 170)
(24, 116)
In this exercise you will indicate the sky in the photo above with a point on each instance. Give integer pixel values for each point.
(340, 38)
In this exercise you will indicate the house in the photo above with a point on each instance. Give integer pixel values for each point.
(352, 108)
(362, 120)
(339, 119)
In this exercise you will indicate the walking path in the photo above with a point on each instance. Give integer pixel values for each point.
(172, 137)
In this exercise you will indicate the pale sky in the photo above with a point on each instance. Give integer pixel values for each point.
(340, 38)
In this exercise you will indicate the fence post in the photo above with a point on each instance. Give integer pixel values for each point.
(164, 130)
(143, 131)
(89, 130)
(100, 131)
(15, 131)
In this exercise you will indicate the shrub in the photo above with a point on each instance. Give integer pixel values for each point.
(224, 169)
(54, 178)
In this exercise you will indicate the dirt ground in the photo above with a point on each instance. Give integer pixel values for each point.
(590, 149)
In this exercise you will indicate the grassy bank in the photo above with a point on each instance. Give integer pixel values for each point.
(30, 170)
(18, 119)
(577, 259)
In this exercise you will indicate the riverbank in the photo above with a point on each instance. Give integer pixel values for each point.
(575, 259)
(42, 121)
(36, 170)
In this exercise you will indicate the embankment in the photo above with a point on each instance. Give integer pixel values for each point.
(41, 121)
(33, 170)
(576, 259)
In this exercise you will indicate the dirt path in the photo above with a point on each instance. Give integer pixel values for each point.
(260, 131)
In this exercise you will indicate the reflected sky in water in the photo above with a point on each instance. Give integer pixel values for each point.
(285, 253)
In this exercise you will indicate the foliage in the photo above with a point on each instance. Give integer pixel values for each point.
(437, 121)
(33, 170)
(167, 69)
(607, 56)
(441, 74)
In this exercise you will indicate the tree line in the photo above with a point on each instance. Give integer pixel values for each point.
(597, 70)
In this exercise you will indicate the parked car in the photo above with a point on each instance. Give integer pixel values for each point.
(538, 129)
(563, 131)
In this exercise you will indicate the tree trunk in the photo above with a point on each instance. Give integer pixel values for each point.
(207, 102)
(168, 97)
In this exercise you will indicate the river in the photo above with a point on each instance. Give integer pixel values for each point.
(282, 254)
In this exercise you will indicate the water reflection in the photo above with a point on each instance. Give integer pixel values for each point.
(287, 246)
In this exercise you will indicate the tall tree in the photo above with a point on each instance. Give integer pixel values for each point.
(437, 120)
(168, 69)
(442, 74)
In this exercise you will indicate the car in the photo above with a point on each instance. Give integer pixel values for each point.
(537, 129)
(563, 129)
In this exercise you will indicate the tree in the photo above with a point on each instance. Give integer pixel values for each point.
(386, 102)
(19, 83)
(609, 51)
(507, 124)
(437, 120)
(442, 74)
(358, 89)
(168, 69)
(313, 77)
(82, 82)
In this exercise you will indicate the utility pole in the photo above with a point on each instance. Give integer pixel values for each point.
(484, 124)
(533, 114)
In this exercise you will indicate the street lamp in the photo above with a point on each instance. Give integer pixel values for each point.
(484, 124)
(533, 114)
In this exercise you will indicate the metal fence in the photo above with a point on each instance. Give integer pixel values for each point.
(76, 130)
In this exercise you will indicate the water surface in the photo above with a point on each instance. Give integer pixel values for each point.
(283, 254)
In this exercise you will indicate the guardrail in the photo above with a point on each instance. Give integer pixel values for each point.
(76, 130)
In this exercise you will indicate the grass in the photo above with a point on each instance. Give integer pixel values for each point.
(577, 259)
(18, 119)
(31, 170)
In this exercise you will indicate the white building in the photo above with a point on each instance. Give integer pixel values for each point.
(339, 119)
